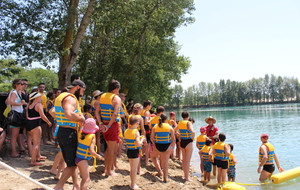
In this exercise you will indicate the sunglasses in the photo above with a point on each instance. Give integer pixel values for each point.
(22, 84)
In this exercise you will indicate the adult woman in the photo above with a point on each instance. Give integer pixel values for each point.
(187, 135)
(163, 138)
(16, 102)
(33, 125)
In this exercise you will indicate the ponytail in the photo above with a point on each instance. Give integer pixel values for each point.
(163, 117)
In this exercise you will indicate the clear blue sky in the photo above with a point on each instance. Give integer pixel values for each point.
(240, 40)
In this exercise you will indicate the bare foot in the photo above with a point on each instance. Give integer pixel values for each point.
(188, 179)
(54, 172)
(158, 174)
(76, 187)
(113, 174)
(140, 173)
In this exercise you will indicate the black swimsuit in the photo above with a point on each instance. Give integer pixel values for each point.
(33, 123)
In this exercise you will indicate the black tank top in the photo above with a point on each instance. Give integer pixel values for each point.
(33, 113)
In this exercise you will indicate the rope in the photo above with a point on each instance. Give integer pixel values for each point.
(26, 177)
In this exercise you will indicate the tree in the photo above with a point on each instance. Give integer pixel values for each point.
(43, 31)
(178, 95)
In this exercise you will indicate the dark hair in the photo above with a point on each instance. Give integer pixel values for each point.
(222, 137)
(87, 107)
(113, 84)
(191, 120)
(208, 142)
(64, 90)
(133, 120)
(83, 135)
(41, 84)
(231, 147)
(25, 80)
(74, 77)
(185, 114)
(15, 82)
(147, 103)
(160, 109)
(162, 118)
(130, 99)
(50, 94)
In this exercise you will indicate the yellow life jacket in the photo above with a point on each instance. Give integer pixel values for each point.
(93, 108)
(130, 139)
(143, 114)
(170, 121)
(184, 132)
(162, 134)
(201, 139)
(270, 153)
(220, 151)
(154, 121)
(60, 112)
(83, 146)
(106, 108)
(231, 164)
(205, 152)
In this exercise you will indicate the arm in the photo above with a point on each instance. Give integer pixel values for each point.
(116, 102)
(142, 126)
(264, 151)
(190, 127)
(97, 111)
(69, 106)
(277, 163)
(211, 153)
(92, 150)
(12, 98)
(147, 116)
(234, 159)
(39, 108)
(52, 112)
(173, 138)
(152, 135)
(227, 150)
(138, 141)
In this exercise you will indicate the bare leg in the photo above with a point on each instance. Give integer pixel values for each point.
(36, 135)
(85, 174)
(110, 155)
(13, 141)
(29, 143)
(154, 159)
(164, 161)
(44, 132)
(186, 159)
(264, 175)
(68, 171)
(133, 172)
(61, 167)
(56, 162)
(98, 141)
(147, 152)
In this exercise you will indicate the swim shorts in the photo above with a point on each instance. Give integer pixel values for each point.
(221, 163)
(112, 134)
(207, 165)
(67, 139)
(231, 172)
(269, 168)
(133, 153)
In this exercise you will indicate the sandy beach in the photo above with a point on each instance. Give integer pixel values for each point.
(148, 181)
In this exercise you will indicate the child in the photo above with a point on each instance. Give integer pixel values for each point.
(86, 149)
(133, 142)
(232, 162)
(87, 109)
(206, 160)
(201, 139)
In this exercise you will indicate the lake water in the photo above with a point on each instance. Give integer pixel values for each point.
(243, 126)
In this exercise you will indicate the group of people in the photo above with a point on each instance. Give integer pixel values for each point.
(79, 129)
(216, 154)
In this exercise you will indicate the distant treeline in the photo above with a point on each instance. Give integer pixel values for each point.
(270, 89)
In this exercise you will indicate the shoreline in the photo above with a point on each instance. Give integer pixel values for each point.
(146, 181)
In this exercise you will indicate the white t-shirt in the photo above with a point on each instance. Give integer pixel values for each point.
(17, 100)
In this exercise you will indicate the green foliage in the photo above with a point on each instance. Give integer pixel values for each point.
(254, 91)
(33, 75)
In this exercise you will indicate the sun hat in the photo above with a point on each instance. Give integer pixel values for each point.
(172, 113)
(34, 95)
(97, 93)
(77, 83)
(264, 136)
(89, 126)
(202, 129)
(34, 88)
(210, 117)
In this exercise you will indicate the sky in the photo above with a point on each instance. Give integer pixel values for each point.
(240, 40)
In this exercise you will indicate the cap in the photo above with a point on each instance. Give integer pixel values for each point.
(35, 87)
(34, 95)
(77, 83)
(202, 129)
(172, 113)
(89, 126)
(265, 136)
